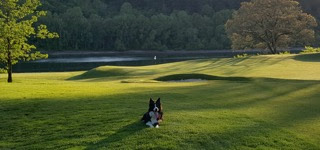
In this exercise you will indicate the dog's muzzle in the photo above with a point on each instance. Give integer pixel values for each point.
(155, 108)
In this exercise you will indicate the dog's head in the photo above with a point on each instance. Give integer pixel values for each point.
(155, 106)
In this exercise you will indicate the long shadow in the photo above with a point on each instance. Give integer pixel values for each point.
(308, 57)
(121, 134)
(177, 77)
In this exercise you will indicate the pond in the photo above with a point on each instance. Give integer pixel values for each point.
(87, 63)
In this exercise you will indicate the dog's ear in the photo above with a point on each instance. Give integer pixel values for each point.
(158, 103)
(151, 102)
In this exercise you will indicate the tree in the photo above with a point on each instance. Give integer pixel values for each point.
(270, 24)
(17, 27)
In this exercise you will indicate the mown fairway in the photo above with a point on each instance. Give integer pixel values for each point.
(264, 102)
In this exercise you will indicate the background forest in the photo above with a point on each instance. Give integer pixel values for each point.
(143, 24)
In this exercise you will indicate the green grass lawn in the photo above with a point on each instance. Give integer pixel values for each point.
(261, 102)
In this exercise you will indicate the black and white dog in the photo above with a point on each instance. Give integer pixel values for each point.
(154, 116)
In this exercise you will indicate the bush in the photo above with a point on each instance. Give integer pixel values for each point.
(241, 56)
(284, 53)
(309, 49)
(2, 71)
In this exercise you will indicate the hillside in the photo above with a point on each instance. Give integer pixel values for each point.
(293, 67)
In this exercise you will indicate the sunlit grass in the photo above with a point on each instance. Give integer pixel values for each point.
(276, 107)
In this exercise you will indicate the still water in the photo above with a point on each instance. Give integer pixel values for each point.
(87, 63)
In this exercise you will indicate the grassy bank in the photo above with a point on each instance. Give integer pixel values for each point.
(265, 102)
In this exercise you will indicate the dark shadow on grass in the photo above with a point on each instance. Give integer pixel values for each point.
(121, 134)
(178, 77)
(308, 57)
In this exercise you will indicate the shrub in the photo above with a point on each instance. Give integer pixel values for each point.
(284, 53)
(241, 56)
(2, 71)
(309, 49)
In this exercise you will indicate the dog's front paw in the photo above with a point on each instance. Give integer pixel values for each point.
(157, 126)
(150, 124)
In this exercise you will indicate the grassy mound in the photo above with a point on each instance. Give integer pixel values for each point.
(293, 67)
(111, 71)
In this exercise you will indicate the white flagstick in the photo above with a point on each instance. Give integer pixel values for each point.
(155, 59)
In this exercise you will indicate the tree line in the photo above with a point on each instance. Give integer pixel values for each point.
(132, 29)
(141, 24)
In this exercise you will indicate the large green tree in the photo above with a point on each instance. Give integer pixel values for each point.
(17, 22)
(270, 24)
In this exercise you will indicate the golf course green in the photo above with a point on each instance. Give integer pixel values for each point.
(257, 102)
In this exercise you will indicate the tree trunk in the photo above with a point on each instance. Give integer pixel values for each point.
(274, 44)
(9, 62)
(9, 67)
(10, 74)
(271, 48)
(275, 50)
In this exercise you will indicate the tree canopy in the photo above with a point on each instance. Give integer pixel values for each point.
(270, 24)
